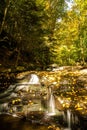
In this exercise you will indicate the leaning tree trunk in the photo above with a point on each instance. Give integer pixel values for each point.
(18, 58)
(4, 17)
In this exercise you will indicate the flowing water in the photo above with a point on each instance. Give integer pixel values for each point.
(51, 105)
(21, 107)
(34, 79)
(69, 119)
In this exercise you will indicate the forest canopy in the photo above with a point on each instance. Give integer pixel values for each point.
(37, 33)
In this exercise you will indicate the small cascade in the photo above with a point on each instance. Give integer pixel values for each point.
(51, 103)
(69, 119)
(12, 101)
(34, 79)
(51, 106)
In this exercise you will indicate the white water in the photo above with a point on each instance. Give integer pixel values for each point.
(69, 119)
(68, 116)
(51, 105)
(34, 79)
(12, 91)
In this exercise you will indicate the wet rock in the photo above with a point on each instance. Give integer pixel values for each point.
(58, 104)
(83, 72)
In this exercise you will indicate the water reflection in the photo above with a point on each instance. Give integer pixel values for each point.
(8, 122)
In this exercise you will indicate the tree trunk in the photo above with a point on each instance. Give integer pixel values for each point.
(4, 17)
(18, 57)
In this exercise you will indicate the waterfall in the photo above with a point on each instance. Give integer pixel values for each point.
(51, 103)
(68, 118)
(30, 82)
(34, 79)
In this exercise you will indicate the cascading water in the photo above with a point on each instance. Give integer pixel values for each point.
(12, 95)
(51, 106)
(16, 102)
(51, 103)
(69, 119)
(34, 79)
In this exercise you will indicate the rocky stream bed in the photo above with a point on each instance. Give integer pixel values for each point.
(69, 88)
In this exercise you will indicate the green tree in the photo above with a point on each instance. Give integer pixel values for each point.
(80, 8)
(34, 26)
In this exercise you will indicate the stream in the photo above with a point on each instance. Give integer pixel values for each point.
(28, 104)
